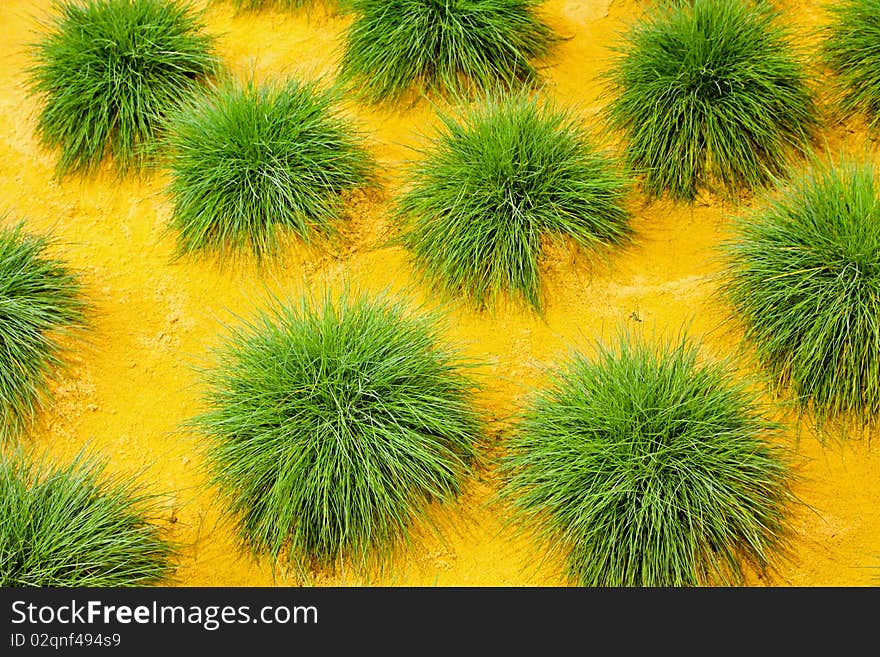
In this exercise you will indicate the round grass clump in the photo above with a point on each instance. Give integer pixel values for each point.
(852, 51)
(498, 180)
(332, 425)
(40, 301)
(803, 279)
(109, 71)
(454, 46)
(249, 161)
(709, 95)
(648, 467)
(73, 526)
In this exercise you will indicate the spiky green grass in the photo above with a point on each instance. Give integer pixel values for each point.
(498, 180)
(709, 94)
(333, 424)
(851, 51)
(648, 467)
(251, 161)
(108, 71)
(73, 525)
(40, 301)
(803, 279)
(451, 46)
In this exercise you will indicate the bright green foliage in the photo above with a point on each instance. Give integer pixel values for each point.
(647, 467)
(249, 161)
(803, 278)
(709, 94)
(497, 181)
(852, 51)
(74, 526)
(449, 45)
(107, 72)
(333, 424)
(40, 300)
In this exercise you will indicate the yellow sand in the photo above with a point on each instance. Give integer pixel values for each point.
(128, 391)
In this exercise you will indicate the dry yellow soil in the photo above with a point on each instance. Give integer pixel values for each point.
(128, 391)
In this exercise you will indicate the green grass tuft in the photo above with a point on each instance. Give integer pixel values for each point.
(455, 46)
(107, 72)
(249, 161)
(709, 95)
(803, 279)
(499, 179)
(73, 526)
(851, 51)
(646, 467)
(40, 301)
(332, 424)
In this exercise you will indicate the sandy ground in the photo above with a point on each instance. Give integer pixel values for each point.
(128, 390)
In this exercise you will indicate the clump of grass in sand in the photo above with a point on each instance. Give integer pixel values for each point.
(499, 179)
(709, 95)
(333, 424)
(647, 467)
(65, 526)
(107, 72)
(40, 301)
(250, 161)
(452, 46)
(851, 50)
(803, 279)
